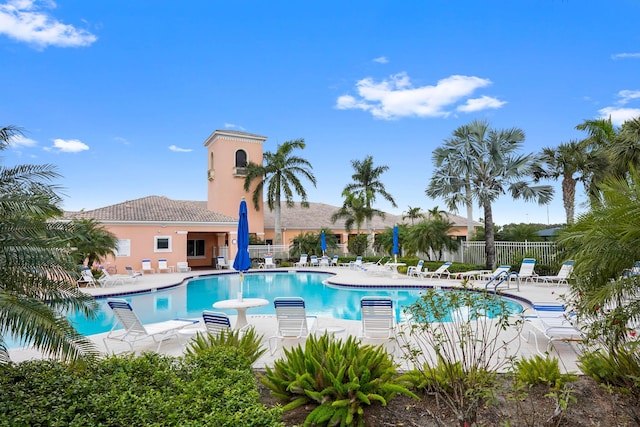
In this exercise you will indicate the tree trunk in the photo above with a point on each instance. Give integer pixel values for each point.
(278, 222)
(490, 244)
(370, 238)
(469, 202)
(569, 197)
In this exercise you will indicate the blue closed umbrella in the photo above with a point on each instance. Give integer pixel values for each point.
(242, 261)
(323, 242)
(395, 243)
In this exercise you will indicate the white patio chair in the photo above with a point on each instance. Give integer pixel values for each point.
(293, 322)
(146, 266)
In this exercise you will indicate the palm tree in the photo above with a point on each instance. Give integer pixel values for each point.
(352, 211)
(492, 168)
(566, 160)
(92, 241)
(37, 272)
(366, 184)
(432, 235)
(413, 214)
(280, 171)
(436, 213)
(599, 164)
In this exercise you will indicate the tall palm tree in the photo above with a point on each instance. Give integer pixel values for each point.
(599, 163)
(366, 184)
(37, 272)
(353, 211)
(568, 161)
(281, 173)
(413, 214)
(625, 149)
(492, 168)
(432, 235)
(454, 162)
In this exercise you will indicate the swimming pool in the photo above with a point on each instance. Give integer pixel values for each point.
(190, 299)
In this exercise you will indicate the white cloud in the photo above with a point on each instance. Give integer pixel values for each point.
(22, 20)
(232, 126)
(396, 97)
(69, 145)
(180, 150)
(20, 141)
(625, 55)
(628, 95)
(381, 60)
(479, 104)
(619, 115)
(121, 140)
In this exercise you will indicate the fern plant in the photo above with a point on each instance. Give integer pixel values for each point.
(542, 370)
(342, 377)
(247, 341)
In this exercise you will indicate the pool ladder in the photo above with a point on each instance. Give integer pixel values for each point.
(502, 278)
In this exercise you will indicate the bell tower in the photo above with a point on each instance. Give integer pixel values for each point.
(228, 153)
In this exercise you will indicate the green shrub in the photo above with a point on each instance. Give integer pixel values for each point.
(620, 368)
(341, 377)
(215, 387)
(248, 342)
(542, 370)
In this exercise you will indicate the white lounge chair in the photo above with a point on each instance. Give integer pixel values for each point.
(135, 331)
(415, 270)
(293, 322)
(86, 278)
(162, 265)
(526, 272)
(132, 273)
(324, 261)
(314, 261)
(378, 320)
(554, 323)
(502, 270)
(334, 261)
(216, 322)
(303, 261)
(561, 278)
(268, 262)
(183, 266)
(146, 266)
(221, 262)
(443, 270)
(108, 279)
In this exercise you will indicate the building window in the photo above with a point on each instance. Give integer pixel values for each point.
(162, 244)
(123, 247)
(195, 248)
(241, 163)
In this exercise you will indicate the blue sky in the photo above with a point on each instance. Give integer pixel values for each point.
(121, 95)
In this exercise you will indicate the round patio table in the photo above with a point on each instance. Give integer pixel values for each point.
(241, 306)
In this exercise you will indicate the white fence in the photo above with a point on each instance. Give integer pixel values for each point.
(506, 252)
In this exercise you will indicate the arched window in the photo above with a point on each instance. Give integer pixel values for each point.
(210, 172)
(241, 159)
(241, 163)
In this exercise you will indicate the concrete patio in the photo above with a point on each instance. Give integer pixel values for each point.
(266, 324)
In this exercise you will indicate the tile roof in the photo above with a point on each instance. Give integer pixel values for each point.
(154, 209)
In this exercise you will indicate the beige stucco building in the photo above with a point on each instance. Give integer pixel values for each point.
(156, 227)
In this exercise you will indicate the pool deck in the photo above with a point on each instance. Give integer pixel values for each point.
(344, 276)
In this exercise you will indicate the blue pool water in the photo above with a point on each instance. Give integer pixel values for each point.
(190, 299)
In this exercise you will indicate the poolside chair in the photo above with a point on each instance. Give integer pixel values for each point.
(633, 271)
(135, 331)
(378, 320)
(293, 322)
(561, 278)
(324, 261)
(357, 264)
(415, 270)
(183, 266)
(86, 278)
(334, 261)
(303, 261)
(554, 322)
(502, 270)
(268, 262)
(526, 272)
(162, 265)
(146, 266)
(107, 279)
(216, 322)
(314, 261)
(443, 270)
(132, 274)
(221, 263)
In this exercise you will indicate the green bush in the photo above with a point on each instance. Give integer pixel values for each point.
(341, 377)
(248, 342)
(620, 368)
(215, 387)
(542, 370)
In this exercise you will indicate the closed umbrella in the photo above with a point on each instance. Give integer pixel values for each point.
(242, 261)
(323, 242)
(395, 243)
